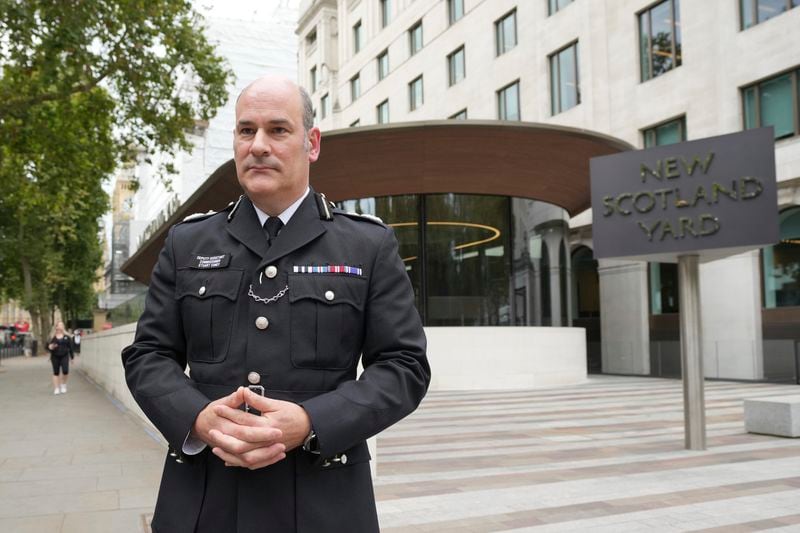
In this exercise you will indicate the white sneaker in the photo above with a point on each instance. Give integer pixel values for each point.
(63, 388)
(57, 390)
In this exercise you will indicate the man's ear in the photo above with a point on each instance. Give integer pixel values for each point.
(314, 144)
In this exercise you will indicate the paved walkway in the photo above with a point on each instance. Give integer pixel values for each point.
(72, 463)
(603, 456)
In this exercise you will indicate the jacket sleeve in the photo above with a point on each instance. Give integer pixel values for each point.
(396, 371)
(155, 362)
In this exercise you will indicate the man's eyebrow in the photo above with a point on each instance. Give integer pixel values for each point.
(273, 122)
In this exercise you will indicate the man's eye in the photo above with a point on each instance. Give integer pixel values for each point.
(280, 131)
(247, 131)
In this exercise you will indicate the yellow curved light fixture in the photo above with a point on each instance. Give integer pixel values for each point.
(495, 232)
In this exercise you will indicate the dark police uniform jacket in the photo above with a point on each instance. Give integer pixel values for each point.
(210, 292)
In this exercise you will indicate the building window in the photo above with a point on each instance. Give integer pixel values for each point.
(311, 39)
(461, 115)
(660, 39)
(670, 132)
(357, 37)
(455, 10)
(505, 30)
(355, 87)
(312, 78)
(757, 11)
(564, 87)
(325, 105)
(508, 102)
(355, 123)
(663, 288)
(415, 38)
(456, 67)
(557, 5)
(386, 12)
(774, 102)
(415, 96)
(383, 112)
(782, 263)
(383, 64)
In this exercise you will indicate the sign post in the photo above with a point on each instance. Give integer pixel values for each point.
(688, 203)
(694, 419)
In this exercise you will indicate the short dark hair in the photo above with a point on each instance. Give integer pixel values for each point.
(308, 109)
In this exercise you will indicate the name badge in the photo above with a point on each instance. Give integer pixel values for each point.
(212, 261)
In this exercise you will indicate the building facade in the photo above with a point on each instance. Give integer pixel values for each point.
(642, 71)
(251, 48)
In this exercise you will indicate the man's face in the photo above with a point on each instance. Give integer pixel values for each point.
(270, 148)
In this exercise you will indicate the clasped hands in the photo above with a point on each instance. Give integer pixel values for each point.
(248, 440)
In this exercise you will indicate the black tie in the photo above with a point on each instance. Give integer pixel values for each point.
(272, 227)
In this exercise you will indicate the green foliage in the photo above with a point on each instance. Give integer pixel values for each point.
(84, 85)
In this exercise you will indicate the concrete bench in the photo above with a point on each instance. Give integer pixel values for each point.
(773, 415)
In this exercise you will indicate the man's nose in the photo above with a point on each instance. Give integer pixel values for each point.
(261, 144)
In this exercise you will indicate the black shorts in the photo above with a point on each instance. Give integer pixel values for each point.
(61, 363)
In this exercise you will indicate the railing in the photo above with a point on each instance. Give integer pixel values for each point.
(8, 350)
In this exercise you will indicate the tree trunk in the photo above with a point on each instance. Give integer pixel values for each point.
(46, 324)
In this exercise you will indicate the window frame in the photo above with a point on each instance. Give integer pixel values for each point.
(499, 92)
(677, 60)
(357, 37)
(378, 111)
(324, 105)
(552, 7)
(681, 119)
(456, 115)
(355, 87)
(754, 13)
(451, 12)
(311, 39)
(384, 54)
(385, 12)
(554, 58)
(412, 103)
(497, 25)
(451, 65)
(412, 49)
(794, 73)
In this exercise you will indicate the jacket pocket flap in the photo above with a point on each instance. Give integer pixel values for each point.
(328, 289)
(207, 283)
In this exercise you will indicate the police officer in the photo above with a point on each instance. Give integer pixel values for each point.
(279, 294)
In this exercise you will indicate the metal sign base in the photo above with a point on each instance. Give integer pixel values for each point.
(694, 411)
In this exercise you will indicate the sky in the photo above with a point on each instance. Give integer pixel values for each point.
(246, 9)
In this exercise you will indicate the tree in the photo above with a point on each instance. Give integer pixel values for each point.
(84, 85)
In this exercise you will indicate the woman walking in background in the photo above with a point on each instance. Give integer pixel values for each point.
(60, 346)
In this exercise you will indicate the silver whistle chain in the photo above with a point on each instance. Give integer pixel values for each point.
(271, 299)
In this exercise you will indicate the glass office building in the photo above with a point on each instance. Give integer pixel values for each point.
(479, 260)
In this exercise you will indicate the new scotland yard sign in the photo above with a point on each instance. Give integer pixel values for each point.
(712, 197)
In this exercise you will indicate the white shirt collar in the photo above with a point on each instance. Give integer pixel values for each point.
(287, 214)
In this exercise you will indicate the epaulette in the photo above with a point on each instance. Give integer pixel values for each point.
(233, 206)
(324, 207)
(362, 216)
(194, 217)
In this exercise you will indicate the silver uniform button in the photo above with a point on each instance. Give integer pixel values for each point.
(262, 322)
(329, 295)
(271, 271)
(202, 291)
(253, 378)
(343, 459)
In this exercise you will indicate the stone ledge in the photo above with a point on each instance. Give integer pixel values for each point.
(773, 415)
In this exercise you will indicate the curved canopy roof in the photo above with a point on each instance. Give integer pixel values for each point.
(526, 160)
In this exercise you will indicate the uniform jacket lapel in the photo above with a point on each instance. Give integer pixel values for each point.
(244, 227)
(304, 226)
